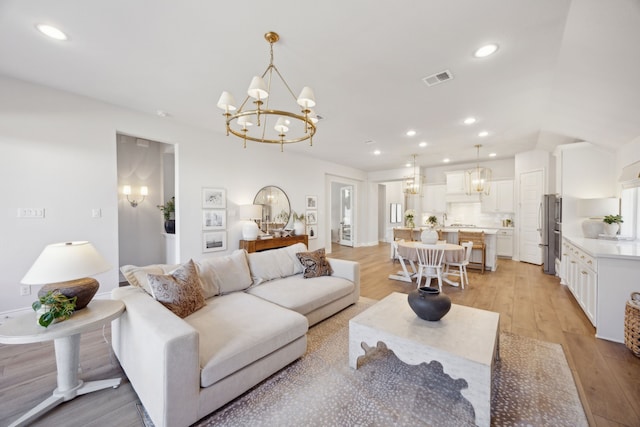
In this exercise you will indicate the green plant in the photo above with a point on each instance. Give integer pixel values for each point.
(168, 208)
(298, 217)
(56, 306)
(432, 221)
(613, 219)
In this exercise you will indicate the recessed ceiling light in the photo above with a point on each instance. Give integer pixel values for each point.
(469, 120)
(492, 154)
(483, 134)
(486, 50)
(447, 160)
(411, 132)
(52, 32)
(162, 113)
(422, 144)
(377, 152)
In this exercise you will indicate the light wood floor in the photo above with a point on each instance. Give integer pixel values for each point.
(530, 303)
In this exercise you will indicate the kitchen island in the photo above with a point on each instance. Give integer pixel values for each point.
(450, 234)
(601, 274)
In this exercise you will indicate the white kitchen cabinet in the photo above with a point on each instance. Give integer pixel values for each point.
(504, 243)
(581, 278)
(455, 182)
(434, 198)
(500, 198)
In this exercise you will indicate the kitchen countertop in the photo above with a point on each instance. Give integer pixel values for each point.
(486, 230)
(601, 248)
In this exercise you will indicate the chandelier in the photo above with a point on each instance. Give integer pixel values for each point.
(272, 126)
(478, 179)
(412, 184)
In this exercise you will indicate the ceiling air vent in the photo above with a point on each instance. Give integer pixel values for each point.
(438, 78)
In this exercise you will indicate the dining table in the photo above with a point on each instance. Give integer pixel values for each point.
(407, 255)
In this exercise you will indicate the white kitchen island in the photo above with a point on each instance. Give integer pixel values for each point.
(601, 274)
(490, 239)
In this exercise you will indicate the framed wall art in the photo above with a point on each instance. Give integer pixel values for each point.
(214, 219)
(311, 217)
(311, 202)
(214, 241)
(312, 231)
(214, 198)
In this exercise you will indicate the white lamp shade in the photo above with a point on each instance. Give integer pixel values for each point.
(126, 190)
(61, 262)
(250, 211)
(313, 116)
(281, 125)
(306, 98)
(227, 102)
(258, 88)
(244, 122)
(144, 190)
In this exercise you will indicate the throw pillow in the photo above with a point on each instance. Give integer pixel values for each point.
(137, 276)
(224, 274)
(179, 291)
(315, 264)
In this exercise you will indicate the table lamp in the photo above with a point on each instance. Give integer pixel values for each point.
(250, 213)
(65, 267)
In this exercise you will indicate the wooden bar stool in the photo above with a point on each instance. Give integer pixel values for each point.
(477, 237)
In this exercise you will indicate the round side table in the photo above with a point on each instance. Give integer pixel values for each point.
(24, 329)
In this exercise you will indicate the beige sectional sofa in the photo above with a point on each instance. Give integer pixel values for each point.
(258, 310)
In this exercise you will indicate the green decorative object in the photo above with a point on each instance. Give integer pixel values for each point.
(54, 307)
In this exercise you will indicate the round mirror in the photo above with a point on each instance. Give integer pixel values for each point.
(276, 209)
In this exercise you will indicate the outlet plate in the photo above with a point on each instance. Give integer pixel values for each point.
(25, 290)
(30, 212)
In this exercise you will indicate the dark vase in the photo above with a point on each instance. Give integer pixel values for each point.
(429, 303)
(170, 226)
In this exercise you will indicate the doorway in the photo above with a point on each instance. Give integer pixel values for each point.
(342, 211)
(346, 215)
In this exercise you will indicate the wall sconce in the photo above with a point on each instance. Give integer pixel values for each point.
(144, 191)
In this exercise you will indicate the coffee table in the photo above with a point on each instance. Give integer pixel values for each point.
(66, 336)
(465, 342)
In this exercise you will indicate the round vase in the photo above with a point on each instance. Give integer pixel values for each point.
(298, 228)
(170, 226)
(611, 229)
(429, 236)
(429, 304)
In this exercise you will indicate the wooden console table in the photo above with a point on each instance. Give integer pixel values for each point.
(274, 243)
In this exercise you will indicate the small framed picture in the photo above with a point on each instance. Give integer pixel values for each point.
(311, 202)
(214, 219)
(214, 241)
(311, 217)
(214, 198)
(312, 231)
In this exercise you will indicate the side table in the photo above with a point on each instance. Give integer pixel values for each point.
(66, 335)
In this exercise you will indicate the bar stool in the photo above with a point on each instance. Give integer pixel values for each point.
(477, 237)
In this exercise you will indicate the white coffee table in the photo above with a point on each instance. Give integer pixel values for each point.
(66, 335)
(465, 342)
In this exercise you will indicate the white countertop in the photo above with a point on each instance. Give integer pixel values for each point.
(474, 229)
(602, 248)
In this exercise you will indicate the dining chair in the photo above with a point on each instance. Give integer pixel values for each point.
(477, 237)
(430, 263)
(460, 265)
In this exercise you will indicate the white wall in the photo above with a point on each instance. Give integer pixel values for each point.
(59, 153)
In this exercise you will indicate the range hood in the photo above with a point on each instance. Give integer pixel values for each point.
(463, 198)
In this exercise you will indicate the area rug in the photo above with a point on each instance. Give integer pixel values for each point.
(533, 386)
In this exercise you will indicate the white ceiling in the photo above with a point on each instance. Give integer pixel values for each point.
(565, 71)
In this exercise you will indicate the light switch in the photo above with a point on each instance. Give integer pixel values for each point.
(30, 212)
(96, 213)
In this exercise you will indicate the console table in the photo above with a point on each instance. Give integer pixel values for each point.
(274, 243)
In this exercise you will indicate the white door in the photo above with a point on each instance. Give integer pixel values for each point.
(530, 214)
(346, 215)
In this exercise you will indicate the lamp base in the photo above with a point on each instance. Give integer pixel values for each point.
(84, 289)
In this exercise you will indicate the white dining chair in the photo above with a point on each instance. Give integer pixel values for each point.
(461, 266)
(430, 259)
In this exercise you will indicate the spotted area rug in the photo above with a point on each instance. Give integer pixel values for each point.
(532, 386)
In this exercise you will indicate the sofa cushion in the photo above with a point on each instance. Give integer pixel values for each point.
(304, 295)
(137, 276)
(179, 291)
(237, 329)
(224, 274)
(275, 263)
(315, 264)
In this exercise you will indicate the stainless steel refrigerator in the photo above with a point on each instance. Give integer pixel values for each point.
(550, 228)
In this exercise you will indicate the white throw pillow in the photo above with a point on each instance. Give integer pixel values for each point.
(275, 263)
(137, 276)
(221, 275)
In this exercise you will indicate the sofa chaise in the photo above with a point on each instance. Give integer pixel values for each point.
(253, 322)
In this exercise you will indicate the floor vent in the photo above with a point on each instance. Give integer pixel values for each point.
(438, 78)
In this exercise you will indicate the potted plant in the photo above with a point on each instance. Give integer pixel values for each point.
(612, 224)
(168, 211)
(432, 221)
(429, 235)
(298, 223)
(408, 218)
(53, 307)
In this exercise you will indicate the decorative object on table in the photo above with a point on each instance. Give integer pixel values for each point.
(429, 303)
(144, 192)
(53, 307)
(612, 224)
(65, 267)
(298, 223)
(312, 231)
(478, 179)
(632, 324)
(272, 123)
(412, 184)
(311, 202)
(249, 214)
(409, 214)
(169, 212)
(594, 211)
(429, 236)
(214, 219)
(214, 241)
(214, 198)
(432, 221)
